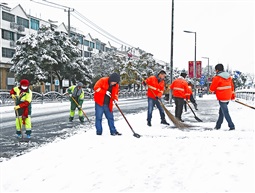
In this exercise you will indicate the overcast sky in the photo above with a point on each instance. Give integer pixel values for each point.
(225, 28)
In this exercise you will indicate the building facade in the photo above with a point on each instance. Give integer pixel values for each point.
(16, 23)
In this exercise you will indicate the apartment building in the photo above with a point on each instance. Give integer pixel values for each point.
(16, 23)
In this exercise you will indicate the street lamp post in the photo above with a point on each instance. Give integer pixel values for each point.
(195, 61)
(208, 74)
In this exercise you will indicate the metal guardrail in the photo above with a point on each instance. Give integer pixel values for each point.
(52, 96)
(246, 94)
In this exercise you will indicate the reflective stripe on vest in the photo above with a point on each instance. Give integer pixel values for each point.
(151, 87)
(97, 90)
(176, 88)
(154, 88)
(223, 87)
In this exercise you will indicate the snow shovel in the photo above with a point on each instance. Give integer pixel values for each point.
(135, 134)
(199, 120)
(81, 109)
(244, 104)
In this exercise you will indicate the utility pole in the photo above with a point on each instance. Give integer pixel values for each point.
(66, 9)
(171, 57)
(69, 25)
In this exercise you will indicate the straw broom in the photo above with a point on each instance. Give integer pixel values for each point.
(175, 121)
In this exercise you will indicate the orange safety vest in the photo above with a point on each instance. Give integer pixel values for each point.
(100, 89)
(223, 86)
(154, 86)
(179, 87)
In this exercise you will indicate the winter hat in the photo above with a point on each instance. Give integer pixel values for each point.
(114, 77)
(219, 67)
(80, 84)
(24, 82)
(183, 73)
(162, 72)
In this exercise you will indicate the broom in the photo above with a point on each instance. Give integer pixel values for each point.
(175, 121)
(81, 109)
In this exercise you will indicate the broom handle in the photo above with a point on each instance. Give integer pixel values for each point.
(244, 104)
(123, 115)
(190, 108)
(81, 109)
(17, 114)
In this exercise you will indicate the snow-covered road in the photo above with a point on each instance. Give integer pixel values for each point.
(162, 160)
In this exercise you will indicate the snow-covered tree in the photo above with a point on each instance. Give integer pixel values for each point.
(239, 78)
(104, 64)
(136, 69)
(49, 53)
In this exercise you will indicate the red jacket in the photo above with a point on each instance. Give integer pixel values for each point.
(154, 86)
(223, 86)
(179, 87)
(100, 89)
(23, 99)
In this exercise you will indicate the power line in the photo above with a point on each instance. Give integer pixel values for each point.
(96, 27)
(57, 4)
(46, 4)
(83, 17)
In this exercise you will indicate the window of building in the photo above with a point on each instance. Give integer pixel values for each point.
(7, 52)
(86, 42)
(23, 22)
(80, 39)
(107, 49)
(19, 36)
(92, 44)
(8, 17)
(102, 47)
(7, 35)
(87, 54)
(72, 34)
(34, 24)
(98, 45)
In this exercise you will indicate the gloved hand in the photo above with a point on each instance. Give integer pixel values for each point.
(157, 98)
(233, 96)
(108, 93)
(144, 83)
(79, 107)
(70, 95)
(13, 96)
(16, 107)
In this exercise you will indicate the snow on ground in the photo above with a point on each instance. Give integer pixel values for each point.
(162, 160)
